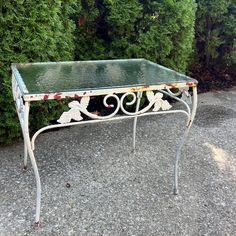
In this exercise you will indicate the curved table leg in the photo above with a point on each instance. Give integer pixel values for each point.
(182, 140)
(139, 95)
(33, 161)
(25, 155)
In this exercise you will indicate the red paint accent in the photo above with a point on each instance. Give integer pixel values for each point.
(171, 85)
(57, 96)
(45, 97)
(146, 86)
(189, 84)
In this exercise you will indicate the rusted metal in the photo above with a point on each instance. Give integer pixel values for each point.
(78, 94)
(172, 85)
(57, 95)
(45, 97)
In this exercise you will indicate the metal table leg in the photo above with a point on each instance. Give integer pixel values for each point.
(182, 140)
(33, 161)
(139, 96)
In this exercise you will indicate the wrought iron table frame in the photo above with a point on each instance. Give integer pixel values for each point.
(79, 105)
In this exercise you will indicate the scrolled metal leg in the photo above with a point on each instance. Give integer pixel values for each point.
(139, 95)
(184, 137)
(33, 162)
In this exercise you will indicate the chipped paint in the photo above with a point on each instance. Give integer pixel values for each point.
(191, 84)
(57, 95)
(103, 91)
(137, 89)
(172, 85)
(46, 96)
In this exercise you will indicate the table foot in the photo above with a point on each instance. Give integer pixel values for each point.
(133, 151)
(25, 154)
(37, 225)
(175, 192)
(24, 168)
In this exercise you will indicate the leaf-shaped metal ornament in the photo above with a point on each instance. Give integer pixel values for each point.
(74, 104)
(67, 116)
(157, 105)
(75, 114)
(186, 96)
(150, 95)
(84, 101)
(159, 95)
(159, 102)
(165, 105)
(64, 118)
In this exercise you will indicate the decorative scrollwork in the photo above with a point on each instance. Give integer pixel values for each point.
(156, 102)
(77, 107)
(184, 92)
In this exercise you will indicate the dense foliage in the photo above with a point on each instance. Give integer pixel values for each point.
(160, 31)
(215, 62)
(31, 31)
(216, 32)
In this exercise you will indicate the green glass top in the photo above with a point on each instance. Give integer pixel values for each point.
(92, 75)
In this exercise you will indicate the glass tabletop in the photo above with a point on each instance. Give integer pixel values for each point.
(50, 77)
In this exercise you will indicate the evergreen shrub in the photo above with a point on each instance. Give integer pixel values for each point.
(216, 33)
(161, 31)
(31, 31)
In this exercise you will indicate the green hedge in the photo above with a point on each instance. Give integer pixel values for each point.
(161, 31)
(31, 31)
(216, 33)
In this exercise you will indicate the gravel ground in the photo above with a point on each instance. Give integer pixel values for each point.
(92, 184)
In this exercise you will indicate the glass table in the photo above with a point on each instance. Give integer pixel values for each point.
(115, 80)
